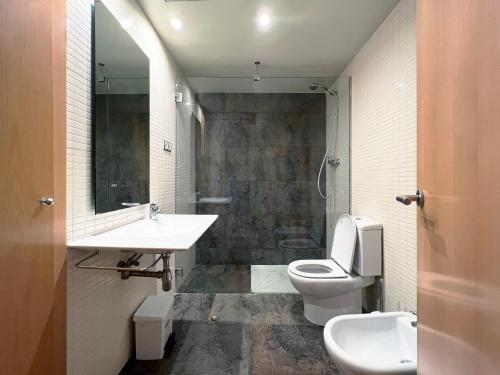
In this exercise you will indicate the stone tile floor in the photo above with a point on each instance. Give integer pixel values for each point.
(223, 278)
(256, 334)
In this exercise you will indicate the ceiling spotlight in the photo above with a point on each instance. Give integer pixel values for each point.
(176, 24)
(264, 21)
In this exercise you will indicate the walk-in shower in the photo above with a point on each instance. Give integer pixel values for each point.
(255, 158)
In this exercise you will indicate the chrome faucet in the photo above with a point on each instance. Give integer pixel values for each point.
(154, 208)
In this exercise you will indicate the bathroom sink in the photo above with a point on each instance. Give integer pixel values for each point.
(166, 234)
(373, 344)
(164, 226)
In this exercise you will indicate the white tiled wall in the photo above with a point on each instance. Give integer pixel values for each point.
(384, 156)
(100, 304)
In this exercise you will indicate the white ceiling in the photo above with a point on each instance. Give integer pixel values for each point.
(305, 38)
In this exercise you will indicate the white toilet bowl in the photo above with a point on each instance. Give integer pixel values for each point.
(329, 286)
(373, 344)
(327, 289)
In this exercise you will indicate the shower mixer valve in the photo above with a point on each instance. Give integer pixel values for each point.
(332, 161)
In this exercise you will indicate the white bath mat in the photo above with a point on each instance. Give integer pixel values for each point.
(271, 279)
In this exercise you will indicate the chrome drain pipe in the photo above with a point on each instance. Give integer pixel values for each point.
(126, 271)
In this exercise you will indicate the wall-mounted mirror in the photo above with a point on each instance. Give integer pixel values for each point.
(120, 116)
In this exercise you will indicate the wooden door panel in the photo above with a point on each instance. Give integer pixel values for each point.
(458, 91)
(32, 165)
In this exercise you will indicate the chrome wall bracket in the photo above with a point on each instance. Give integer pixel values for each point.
(126, 271)
(333, 161)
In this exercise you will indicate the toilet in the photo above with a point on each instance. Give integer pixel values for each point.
(333, 286)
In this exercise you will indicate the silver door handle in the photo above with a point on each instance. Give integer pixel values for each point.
(47, 201)
(408, 199)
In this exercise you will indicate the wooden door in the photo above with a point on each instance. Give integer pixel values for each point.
(458, 87)
(32, 165)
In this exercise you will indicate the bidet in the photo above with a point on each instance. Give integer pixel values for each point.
(373, 344)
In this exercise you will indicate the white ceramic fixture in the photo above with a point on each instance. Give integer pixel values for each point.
(166, 234)
(332, 286)
(373, 344)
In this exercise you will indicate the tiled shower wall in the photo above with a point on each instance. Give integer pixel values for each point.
(384, 157)
(264, 152)
(100, 304)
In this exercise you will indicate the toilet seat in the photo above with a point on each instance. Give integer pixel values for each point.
(317, 269)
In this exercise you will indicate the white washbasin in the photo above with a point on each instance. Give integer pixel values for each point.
(168, 233)
(164, 226)
(373, 344)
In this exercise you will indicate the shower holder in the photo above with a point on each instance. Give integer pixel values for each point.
(126, 271)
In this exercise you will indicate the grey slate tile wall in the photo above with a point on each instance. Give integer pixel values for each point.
(264, 151)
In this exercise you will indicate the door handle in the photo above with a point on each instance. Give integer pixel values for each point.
(408, 199)
(47, 201)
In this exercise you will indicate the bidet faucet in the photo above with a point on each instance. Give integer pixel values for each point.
(154, 208)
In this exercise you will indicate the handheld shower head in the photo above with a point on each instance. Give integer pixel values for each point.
(315, 86)
(333, 161)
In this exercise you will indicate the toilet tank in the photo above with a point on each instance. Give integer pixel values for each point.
(368, 254)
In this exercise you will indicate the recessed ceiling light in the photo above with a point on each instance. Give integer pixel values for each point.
(127, 24)
(176, 24)
(264, 21)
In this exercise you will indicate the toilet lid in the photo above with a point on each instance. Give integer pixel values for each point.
(317, 269)
(344, 242)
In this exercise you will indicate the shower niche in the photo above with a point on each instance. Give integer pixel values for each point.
(120, 115)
